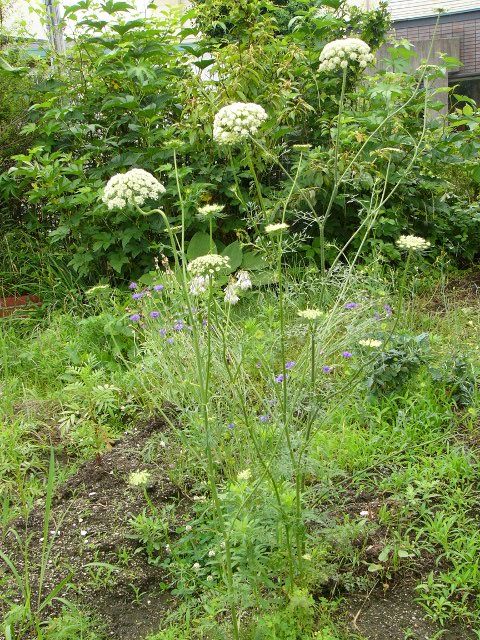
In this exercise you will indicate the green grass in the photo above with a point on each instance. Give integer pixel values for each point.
(401, 430)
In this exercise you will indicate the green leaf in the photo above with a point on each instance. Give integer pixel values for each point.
(117, 259)
(253, 261)
(234, 252)
(6, 66)
(374, 567)
(199, 245)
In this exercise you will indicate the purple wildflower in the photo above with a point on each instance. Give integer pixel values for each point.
(388, 310)
(280, 378)
(163, 332)
(326, 369)
(158, 287)
(154, 314)
(135, 317)
(347, 354)
(170, 340)
(289, 365)
(133, 285)
(351, 305)
(264, 418)
(231, 425)
(179, 325)
(204, 323)
(137, 296)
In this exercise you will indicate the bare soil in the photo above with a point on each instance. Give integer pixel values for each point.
(90, 525)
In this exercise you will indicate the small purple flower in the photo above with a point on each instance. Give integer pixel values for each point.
(351, 305)
(231, 425)
(179, 325)
(158, 287)
(133, 285)
(154, 314)
(326, 369)
(170, 340)
(347, 354)
(388, 310)
(289, 365)
(163, 332)
(264, 418)
(137, 296)
(135, 317)
(280, 378)
(204, 323)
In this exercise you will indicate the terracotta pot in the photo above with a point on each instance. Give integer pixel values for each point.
(12, 303)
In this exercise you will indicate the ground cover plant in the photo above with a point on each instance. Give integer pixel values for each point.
(271, 429)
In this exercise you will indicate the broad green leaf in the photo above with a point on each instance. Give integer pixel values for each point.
(234, 252)
(253, 261)
(199, 245)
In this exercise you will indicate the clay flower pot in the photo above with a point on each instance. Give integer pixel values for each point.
(14, 303)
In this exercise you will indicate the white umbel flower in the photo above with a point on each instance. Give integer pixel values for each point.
(131, 188)
(139, 478)
(339, 54)
(371, 343)
(208, 265)
(244, 475)
(279, 226)
(412, 243)
(310, 314)
(237, 121)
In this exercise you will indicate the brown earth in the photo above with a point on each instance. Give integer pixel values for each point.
(90, 518)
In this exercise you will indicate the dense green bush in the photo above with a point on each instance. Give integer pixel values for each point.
(143, 93)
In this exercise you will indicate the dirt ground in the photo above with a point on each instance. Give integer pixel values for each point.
(90, 524)
(395, 616)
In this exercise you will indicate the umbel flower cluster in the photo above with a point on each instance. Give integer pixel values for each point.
(208, 265)
(131, 188)
(340, 54)
(237, 121)
(412, 243)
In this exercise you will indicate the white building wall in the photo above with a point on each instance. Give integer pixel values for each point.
(404, 9)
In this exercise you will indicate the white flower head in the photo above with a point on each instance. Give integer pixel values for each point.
(244, 475)
(211, 553)
(131, 188)
(139, 478)
(274, 228)
(230, 292)
(371, 343)
(310, 314)
(208, 265)
(412, 243)
(198, 285)
(196, 566)
(236, 122)
(339, 54)
(210, 211)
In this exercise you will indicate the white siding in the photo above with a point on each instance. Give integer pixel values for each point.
(403, 9)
